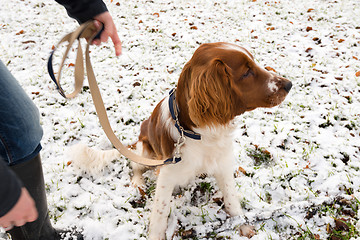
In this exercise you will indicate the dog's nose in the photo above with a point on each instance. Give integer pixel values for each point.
(288, 86)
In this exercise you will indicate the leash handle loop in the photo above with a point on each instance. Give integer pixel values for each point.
(89, 31)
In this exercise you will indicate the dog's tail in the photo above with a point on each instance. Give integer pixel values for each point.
(91, 160)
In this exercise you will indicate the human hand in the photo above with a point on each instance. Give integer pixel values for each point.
(109, 31)
(24, 211)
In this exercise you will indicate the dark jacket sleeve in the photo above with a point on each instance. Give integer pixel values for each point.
(83, 10)
(10, 189)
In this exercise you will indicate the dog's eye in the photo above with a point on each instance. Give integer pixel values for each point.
(247, 73)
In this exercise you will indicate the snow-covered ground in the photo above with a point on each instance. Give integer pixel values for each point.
(297, 165)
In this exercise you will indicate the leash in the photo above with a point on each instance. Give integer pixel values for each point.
(90, 32)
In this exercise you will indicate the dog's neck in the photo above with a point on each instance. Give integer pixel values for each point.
(175, 114)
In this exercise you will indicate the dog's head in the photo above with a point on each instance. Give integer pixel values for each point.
(222, 81)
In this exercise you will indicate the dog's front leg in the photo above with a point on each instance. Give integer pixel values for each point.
(161, 206)
(226, 182)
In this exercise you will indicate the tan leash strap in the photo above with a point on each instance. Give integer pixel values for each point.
(89, 31)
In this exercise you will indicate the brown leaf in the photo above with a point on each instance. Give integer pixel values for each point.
(308, 50)
(308, 29)
(136, 84)
(71, 65)
(194, 27)
(30, 41)
(310, 10)
(21, 32)
(36, 93)
(357, 74)
(156, 14)
(340, 224)
(270, 69)
(142, 192)
(240, 170)
(341, 40)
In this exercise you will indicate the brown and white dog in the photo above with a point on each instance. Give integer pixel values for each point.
(220, 82)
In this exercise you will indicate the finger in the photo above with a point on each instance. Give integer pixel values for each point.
(97, 42)
(32, 216)
(104, 35)
(97, 24)
(8, 228)
(117, 43)
(20, 223)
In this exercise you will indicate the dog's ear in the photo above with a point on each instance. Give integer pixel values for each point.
(210, 100)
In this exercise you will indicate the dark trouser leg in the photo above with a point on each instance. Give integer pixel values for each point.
(31, 174)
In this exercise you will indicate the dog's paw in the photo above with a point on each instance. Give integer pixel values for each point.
(137, 181)
(247, 231)
(155, 234)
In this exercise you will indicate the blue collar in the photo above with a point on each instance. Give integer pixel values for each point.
(174, 111)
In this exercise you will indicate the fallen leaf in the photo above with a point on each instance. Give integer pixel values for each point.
(68, 163)
(240, 170)
(340, 224)
(30, 41)
(341, 40)
(194, 27)
(357, 74)
(21, 32)
(142, 192)
(36, 93)
(310, 10)
(270, 69)
(156, 14)
(308, 29)
(71, 65)
(136, 84)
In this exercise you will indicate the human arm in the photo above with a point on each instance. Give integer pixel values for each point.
(85, 10)
(16, 205)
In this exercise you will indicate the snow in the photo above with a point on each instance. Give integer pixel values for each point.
(313, 136)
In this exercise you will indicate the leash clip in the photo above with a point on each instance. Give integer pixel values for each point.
(180, 142)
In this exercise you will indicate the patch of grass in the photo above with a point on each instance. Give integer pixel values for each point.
(260, 156)
(344, 213)
(344, 229)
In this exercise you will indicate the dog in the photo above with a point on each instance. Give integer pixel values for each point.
(195, 123)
